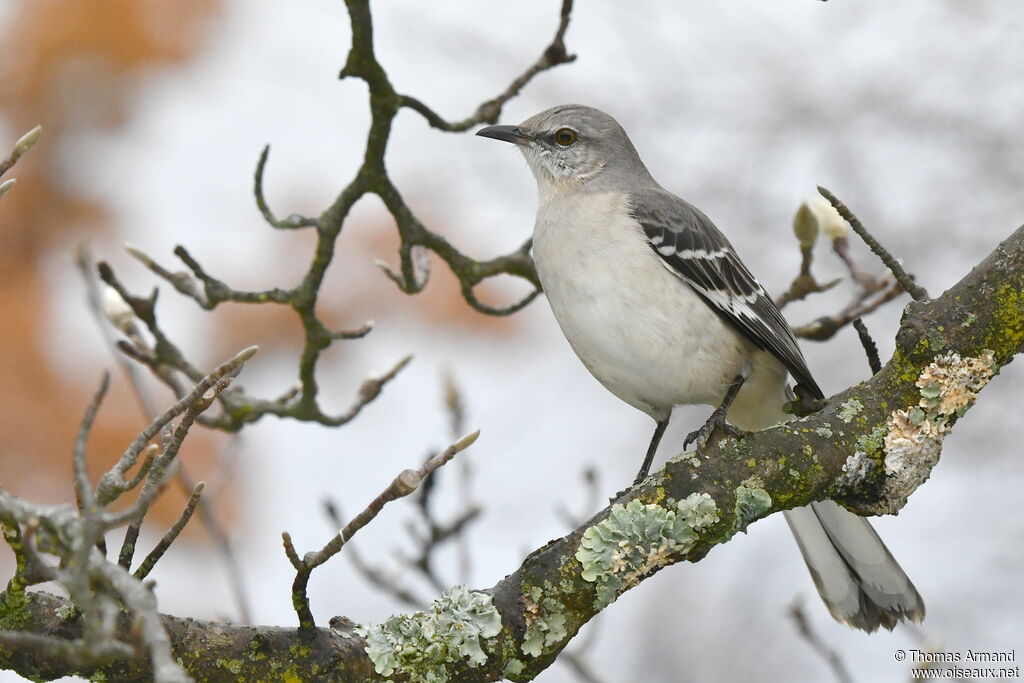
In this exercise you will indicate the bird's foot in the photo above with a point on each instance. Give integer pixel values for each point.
(700, 436)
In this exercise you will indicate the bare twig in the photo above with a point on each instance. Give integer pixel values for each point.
(156, 553)
(827, 326)
(87, 270)
(456, 415)
(166, 360)
(806, 227)
(592, 485)
(870, 348)
(294, 220)
(488, 112)
(112, 484)
(579, 666)
(376, 576)
(404, 484)
(831, 657)
(905, 280)
(23, 145)
(83, 488)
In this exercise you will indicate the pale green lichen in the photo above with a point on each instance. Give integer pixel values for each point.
(824, 432)
(636, 538)
(545, 622)
(913, 436)
(424, 645)
(751, 503)
(65, 612)
(872, 444)
(849, 410)
(513, 668)
(232, 665)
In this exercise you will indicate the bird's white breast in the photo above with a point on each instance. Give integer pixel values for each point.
(639, 329)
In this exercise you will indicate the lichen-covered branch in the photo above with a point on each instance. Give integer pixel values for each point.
(868, 448)
(61, 543)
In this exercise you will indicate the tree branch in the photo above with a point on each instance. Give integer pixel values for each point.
(854, 451)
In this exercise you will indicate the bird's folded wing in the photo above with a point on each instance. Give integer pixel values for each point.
(693, 249)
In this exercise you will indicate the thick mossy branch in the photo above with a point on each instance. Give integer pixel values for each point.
(946, 350)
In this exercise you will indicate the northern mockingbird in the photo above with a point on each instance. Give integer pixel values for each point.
(662, 311)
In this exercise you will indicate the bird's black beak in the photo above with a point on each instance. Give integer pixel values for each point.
(505, 133)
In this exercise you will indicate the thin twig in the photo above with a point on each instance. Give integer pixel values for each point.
(825, 327)
(294, 220)
(457, 415)
(870, 348)
(404, 484)
(579, 665)
(906, 281)
(592, 485)
(87, 268)
(23, 145)
(830, 656)
(374, 575)
(83, 488)
(488, 112)
(156, 553)
(112, 483)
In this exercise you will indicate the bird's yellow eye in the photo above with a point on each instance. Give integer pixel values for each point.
(565, 136)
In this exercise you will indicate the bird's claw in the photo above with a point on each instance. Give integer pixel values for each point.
(700, 436)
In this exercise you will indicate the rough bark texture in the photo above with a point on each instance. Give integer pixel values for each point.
(679, 513)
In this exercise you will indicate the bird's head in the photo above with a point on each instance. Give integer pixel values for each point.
(571, 146)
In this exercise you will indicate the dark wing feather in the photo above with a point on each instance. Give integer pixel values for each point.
(692, 247)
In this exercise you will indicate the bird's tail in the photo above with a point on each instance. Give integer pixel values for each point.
(856, 575)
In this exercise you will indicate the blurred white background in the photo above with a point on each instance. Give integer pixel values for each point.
(910, 112)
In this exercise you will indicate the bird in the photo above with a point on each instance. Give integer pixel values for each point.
(661, 310)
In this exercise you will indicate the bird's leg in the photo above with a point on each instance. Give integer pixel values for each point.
(655, 440)
(717, 417)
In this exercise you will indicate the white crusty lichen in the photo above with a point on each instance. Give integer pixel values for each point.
(859, 466)
(913, 436)
(545, 621)
(423, 646)
(856, 469)
(636, 538)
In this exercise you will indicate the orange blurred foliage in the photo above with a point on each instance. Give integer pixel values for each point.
(74, 66)
(68, 65)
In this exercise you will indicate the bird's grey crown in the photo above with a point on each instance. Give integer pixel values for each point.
(601, 142)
